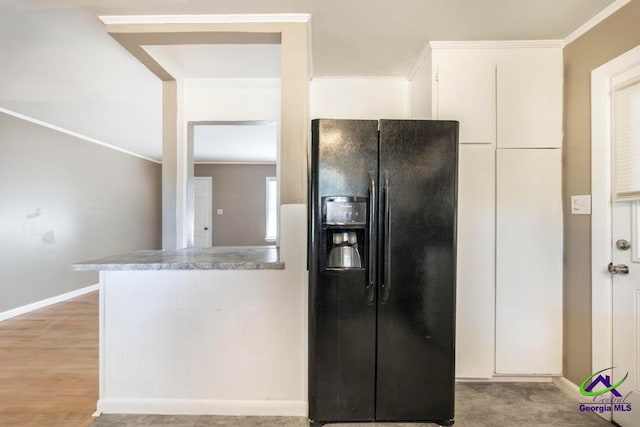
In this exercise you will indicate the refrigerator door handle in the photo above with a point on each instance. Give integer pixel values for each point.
(373, 244)
(386, 282)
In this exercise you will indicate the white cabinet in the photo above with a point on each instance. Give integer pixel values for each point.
(464, 90)
(529, 99)
(499, 92)
(475, 305)
(507, 97)
(528, 261)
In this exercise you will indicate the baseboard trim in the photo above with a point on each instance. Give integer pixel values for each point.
(568, 388)
(203, 407)
(46, 302)
(573, 391)
(508, 379)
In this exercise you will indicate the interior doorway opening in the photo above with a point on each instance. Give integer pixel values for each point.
(239, 159)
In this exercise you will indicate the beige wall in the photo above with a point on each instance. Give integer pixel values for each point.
(614, 36)
(240, 191)
(64, 200)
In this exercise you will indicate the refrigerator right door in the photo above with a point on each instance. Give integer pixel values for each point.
(417, 253)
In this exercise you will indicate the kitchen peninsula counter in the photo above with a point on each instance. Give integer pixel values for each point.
(215, 258)
(214, 331)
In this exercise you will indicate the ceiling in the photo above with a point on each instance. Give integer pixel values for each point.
(218, 61)
(235, 143)
(377, 37)
(61, 67)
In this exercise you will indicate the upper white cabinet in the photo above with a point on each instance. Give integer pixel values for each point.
(503, 93)
(529, 98)
(464, 90)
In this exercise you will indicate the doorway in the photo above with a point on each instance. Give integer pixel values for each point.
(230, 110)
(240, 159)
(615, 155)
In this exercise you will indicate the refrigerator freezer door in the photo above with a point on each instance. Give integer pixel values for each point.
(342, 317)
(416, 313)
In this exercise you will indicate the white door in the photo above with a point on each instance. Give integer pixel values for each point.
(625, 266)
(202, 209)
(626, 313)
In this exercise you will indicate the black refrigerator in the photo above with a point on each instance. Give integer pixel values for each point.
(382, 264)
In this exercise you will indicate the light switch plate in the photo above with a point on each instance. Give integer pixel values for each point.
(219, 211)
(581, 205)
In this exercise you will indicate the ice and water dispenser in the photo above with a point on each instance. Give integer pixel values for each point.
(344, 221)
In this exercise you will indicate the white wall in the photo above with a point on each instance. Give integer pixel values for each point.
(208, 342)
(359, 98)
(232, 99)
(420, 88)
(60, 66)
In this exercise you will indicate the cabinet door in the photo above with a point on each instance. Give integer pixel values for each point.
(528, 262)
(529, 86)
(475, 312)
(465, 91)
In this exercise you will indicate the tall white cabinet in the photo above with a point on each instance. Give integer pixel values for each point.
(476, 261)
(508, 99)
(528, 261)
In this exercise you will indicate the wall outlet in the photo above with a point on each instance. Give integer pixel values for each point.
(581, 205)
(219, 211)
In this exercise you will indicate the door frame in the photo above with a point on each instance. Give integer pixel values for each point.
(601, 220)
(210, 231)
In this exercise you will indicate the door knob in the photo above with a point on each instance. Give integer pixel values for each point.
(623, 245)
(618, 269)
(206, 228)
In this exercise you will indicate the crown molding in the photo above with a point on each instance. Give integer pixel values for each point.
(604, 14)
(206, 19)
(73, 134)
(309, 49)
(388, 78)
(424, 55)
(496, 44)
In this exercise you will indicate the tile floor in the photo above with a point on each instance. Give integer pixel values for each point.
(477, 405)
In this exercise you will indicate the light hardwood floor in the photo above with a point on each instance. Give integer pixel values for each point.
(49, 365)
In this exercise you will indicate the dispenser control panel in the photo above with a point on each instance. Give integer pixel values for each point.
(344, 210)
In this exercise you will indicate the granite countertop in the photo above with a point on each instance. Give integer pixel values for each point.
(216, 258)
